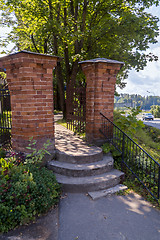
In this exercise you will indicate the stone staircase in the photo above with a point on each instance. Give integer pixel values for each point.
(82, 168)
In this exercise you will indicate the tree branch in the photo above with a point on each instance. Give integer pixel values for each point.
(32, 38)
(83, 20)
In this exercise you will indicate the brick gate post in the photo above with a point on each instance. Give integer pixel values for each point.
(100, 79)
(30, 81)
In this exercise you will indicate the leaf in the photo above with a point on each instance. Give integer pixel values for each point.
(29, 148)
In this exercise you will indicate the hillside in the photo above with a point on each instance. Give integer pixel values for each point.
(134, 100)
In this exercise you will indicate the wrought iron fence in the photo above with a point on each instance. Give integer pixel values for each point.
(76, 107)
(5, 117)
(136, 159)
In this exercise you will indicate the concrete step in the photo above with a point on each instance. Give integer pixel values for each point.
(94, 154)
(90, 183)
(107, 192)
(82, 170)
(73, 149)
(83, 154)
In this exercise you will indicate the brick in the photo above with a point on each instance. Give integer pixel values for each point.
(49, 71)
(100, 78)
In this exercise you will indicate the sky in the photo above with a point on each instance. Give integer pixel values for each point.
(145, 82)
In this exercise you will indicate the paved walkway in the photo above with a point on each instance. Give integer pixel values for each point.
(68, 143)
(79, 217)
(109, 218)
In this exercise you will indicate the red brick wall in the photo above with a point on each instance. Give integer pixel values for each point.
(30, 82)
(100, 79)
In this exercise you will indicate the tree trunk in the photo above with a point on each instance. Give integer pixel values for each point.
(60, 85)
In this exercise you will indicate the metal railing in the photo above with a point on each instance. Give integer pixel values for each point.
(5, 117)
(136, 159)
(76, 107)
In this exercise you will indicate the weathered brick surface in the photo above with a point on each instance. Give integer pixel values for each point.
(101, 79)
(30, 82)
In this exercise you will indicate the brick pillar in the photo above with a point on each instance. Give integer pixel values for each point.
(100, 78)
(30, 81)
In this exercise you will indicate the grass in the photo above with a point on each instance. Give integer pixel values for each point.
(57, 112)
(135, 186)
(130, 180)
(145, 136)
(149, 139)
(64, 124)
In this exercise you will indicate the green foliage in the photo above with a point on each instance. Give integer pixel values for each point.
(2, 153)
(3, 79)
(29, 191)
(147, 137)
(134, 185)
(129, 124)
(78, 30)
(57, 112)
(36, 156)
(82, 29)
(26, 188)
(62, 122)
(135, 100)
(130, 180)
(5, 167)
(155, 110)
(154, 133)
(106, 148)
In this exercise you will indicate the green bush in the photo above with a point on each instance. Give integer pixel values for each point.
(145, 136)
(130, 125)
(26, 190)
(2, 153)
(148, 138)
(155, 110)
(36, 156)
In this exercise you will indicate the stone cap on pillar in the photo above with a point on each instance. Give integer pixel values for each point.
(25, 54)
(102, 60)
(21, 53)
(29, 52)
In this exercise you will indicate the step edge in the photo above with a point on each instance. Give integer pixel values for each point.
(107, 192)
(110, 176)
(69, 158)
(81, 166)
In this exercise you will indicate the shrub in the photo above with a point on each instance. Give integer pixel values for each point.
(36, 156)
(129, 124)
(145, 136)
(155, 110)
(148, 138)
(26, 190)
(2, 153)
